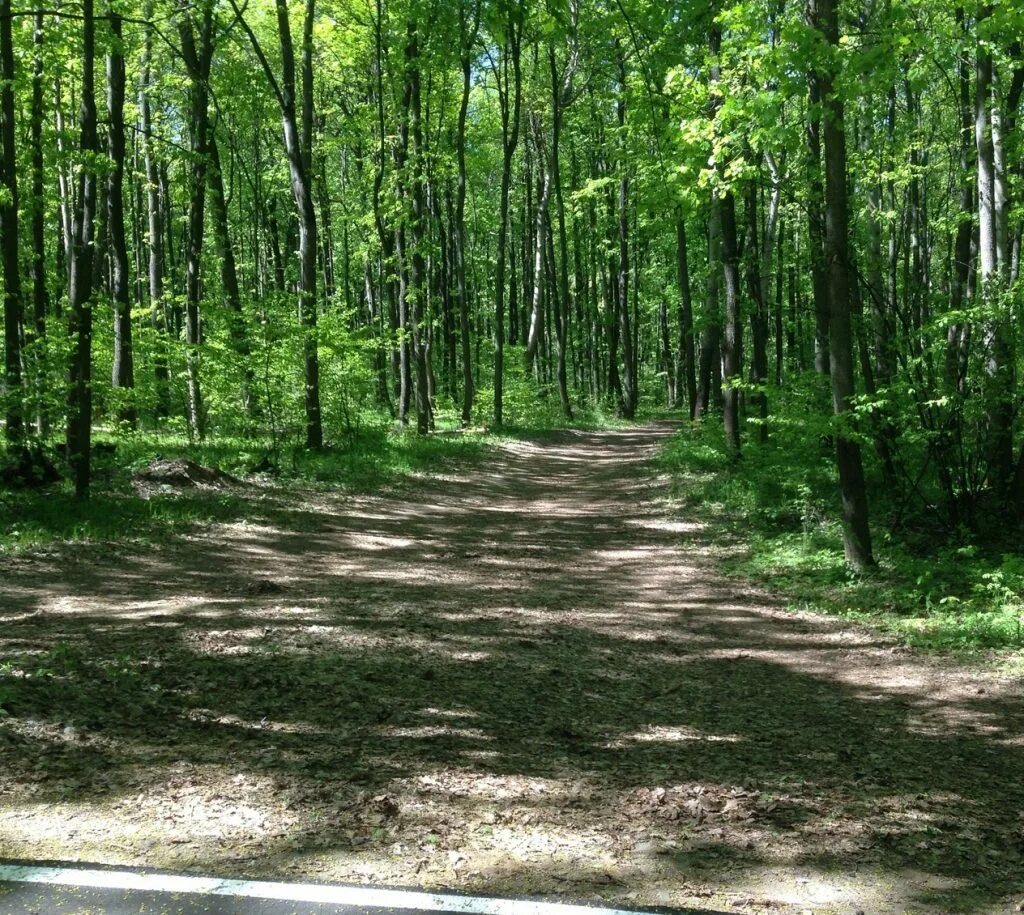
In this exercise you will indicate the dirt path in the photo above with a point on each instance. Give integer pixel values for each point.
(524, 679)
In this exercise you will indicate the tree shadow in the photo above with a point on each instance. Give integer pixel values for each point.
(526, 653)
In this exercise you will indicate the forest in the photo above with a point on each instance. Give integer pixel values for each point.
(269, 220)
(564, 448)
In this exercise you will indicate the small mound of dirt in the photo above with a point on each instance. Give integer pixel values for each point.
(181, 472)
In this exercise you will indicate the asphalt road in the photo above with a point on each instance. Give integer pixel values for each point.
(59, 889)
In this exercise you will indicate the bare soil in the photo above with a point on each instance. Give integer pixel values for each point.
(522, 678)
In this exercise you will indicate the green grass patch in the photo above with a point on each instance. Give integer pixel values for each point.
(372, 459)
(780, 505)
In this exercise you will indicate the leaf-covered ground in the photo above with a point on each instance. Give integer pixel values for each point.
(522, 678)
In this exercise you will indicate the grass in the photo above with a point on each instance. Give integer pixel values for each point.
(780, 504)
(372, 459)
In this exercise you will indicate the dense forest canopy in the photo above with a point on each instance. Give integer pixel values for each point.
(267, 219)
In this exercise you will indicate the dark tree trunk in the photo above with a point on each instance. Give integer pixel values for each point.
(81, 288)
(40, 293)
(198, 60)
(468, 31)
(732, 340)
(155, 230)
(758, 312)
(13, 305)
(686, 370)
(816, 225)
(417, 271)
(711, 331)
(559, 91)
(229, 277)
(628, 401)
(123, 375)
(856, 532)
(998, 366)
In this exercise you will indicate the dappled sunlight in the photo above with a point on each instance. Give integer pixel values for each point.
(668, 734)
(532, 681)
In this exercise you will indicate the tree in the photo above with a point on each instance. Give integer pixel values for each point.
(297, 125)
(856, 531)
(9, 233)
(80, 291)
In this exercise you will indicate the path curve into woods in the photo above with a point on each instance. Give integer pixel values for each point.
(526, 677)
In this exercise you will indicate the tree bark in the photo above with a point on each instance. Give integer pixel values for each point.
(82, 257)
(198, 60)
(229, 278)
(628, 401)
(40, 292)
(997, 366)
(686, 370)
(13, 305)
(155, 229)
(123, 375)
(467, 38)
(856, 531)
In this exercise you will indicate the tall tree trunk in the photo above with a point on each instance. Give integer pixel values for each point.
(198, 60)
(711, 330)
(297, 115)
(856, 532)
(628, 401)
(123, 375)
(417, 272)
(467, 33)
(732, 338)
(81, 287)
(998, 365)
(536, 326)
(40, 292)
(759, 312)
(560, 90)
(960, 288)
(155, 228)
(686, 370)
(229, 277)
(13, 305)
(816, 224)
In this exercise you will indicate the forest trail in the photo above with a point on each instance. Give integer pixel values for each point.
(526, 677)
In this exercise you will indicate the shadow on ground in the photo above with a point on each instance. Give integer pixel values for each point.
(527, 678)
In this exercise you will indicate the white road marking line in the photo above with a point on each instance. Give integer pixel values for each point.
(293, 892)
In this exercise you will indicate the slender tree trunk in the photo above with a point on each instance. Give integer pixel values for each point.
(816, 225)
(198, 60)
(759, 311)
(628, 402)
(562, 307)
(417, 273)
(155, 229)
(13, 305)
(686, 370)
(997, 366)
(40, 293)
(468, 38)
(82, 258)
(229, 278)
(732, 339)
(856, 532)
(123, 375)
(535, 331)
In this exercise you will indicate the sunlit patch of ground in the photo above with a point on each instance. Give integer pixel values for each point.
(524, 679)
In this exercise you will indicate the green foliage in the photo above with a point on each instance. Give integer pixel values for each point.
(368, 459)
(780, 505)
